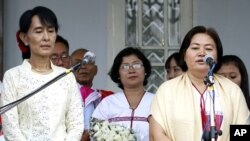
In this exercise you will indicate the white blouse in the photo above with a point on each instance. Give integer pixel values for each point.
(53, 114)
(115, 108)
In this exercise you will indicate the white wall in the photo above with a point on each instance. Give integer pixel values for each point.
(231, 19)
(82, 22)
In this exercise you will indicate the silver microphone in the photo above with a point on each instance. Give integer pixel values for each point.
(208, 59)
(89, 57)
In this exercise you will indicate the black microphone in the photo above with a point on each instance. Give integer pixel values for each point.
(89, 57)
(208, 59)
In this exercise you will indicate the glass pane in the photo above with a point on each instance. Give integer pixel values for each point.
(174, 23)
(154, 56)
(156, 78)
(171, 51)
(152, 23)
(131, 15)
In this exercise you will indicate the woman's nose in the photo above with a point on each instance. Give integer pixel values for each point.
(45, 35)
(202, 52)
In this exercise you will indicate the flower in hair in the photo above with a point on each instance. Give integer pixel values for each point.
(21, 45)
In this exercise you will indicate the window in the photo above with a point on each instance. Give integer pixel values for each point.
(156, 26)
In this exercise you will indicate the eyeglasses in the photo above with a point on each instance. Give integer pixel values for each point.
(135, 66)
(55, 58)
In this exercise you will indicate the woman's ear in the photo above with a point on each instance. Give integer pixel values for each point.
(24, 39)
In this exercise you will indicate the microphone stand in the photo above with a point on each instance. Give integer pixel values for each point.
(211, 135)
(7, 107)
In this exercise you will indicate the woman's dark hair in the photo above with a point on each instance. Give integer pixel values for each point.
(114, 71)
(187, 40)
(176, 56)
(235, 60)
(46, 16)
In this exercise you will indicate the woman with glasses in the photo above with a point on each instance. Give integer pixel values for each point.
(130, 107)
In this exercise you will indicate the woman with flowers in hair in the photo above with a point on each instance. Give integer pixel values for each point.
(54, 113)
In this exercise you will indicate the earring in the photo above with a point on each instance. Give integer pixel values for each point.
(26, 44)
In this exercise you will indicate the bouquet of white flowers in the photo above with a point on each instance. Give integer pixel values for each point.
(102, 130)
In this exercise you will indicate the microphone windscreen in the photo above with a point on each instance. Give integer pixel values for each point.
(90, 55)
(207, 58)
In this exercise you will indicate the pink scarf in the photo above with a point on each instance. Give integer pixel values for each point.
(89, 95)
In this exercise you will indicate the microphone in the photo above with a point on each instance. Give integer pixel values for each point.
(89, 57)
(213, 134)
(208, 59)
